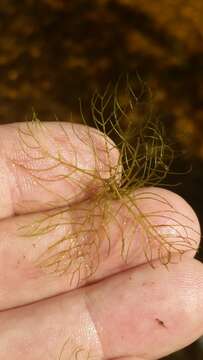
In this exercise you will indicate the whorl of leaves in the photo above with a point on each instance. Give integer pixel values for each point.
(145, 158)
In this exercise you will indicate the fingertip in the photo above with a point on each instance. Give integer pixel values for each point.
(175, 220)
(187, 216)
(153, 312)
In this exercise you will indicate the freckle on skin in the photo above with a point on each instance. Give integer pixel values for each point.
(160, 322)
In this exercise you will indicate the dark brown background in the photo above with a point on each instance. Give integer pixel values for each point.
(52, 52)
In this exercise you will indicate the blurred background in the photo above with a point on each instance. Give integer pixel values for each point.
(53, 52)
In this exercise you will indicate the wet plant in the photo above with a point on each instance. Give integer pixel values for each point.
(75, 352)
(113, 194)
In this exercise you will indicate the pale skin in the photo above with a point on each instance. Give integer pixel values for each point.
(124, 311)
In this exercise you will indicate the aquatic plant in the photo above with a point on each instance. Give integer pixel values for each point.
(115, 191)
(75, 352)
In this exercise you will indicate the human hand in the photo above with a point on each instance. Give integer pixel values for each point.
(92, 300)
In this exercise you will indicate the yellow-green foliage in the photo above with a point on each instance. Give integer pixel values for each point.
(144, 161)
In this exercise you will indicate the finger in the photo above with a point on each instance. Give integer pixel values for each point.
(88, 242)
(148, 314)
(46, 165)
(141, 313)
(49, 330)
